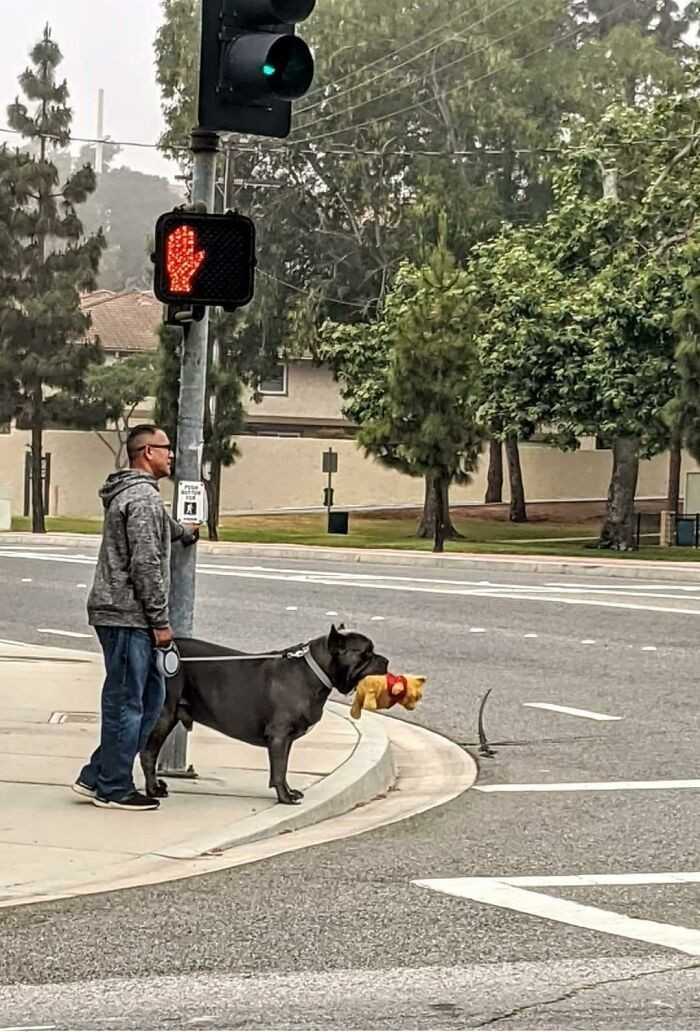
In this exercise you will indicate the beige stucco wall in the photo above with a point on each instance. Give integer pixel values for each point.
(285, 473)
(312, 393)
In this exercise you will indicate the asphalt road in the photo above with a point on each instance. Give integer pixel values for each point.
(341, 936)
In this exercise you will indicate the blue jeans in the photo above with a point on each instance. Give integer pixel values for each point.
(132, 698)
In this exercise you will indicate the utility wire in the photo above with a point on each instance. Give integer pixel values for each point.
(386, 57)
(462, 86)
(416, 80)
(302, 290)
(409, 60)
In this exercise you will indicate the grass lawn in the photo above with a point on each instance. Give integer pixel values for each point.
(390, 530)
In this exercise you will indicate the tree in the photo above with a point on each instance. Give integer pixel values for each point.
(43, 333)
(417, 410)
(113, 393)
(126, 205)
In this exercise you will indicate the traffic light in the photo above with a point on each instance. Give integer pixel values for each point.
(203, 259)
(252, 65)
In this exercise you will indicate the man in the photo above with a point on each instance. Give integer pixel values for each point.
(128, 607)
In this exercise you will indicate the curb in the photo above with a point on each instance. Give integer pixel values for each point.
(369, 772)
(629, 569)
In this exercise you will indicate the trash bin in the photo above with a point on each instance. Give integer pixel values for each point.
(686, 531)
(337, 523)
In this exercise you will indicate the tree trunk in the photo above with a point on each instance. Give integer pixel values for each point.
(518, 507)
(38, 522)
(439, 485)
(426, 527)
(618, 531)
(674, 474)
(214, 499)
(494, 489)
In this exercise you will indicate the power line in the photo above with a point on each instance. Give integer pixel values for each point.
(455, 89)
(387, 57)
(409, 60)
(328, 300)
(415, 81)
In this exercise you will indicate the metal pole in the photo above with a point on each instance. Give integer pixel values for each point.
(190, 442)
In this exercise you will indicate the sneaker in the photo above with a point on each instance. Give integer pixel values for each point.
(84, 790)
(136, 801)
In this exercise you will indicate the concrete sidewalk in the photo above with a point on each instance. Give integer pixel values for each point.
(54, 842)
(599, 563)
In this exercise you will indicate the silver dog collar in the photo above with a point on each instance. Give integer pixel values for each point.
(320, 674)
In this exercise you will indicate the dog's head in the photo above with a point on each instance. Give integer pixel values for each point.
(353, 657)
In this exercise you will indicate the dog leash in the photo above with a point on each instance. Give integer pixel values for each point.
(169, 660)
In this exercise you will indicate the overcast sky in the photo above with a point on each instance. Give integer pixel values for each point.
(105, 43)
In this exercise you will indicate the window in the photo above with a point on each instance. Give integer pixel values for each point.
(276, 381)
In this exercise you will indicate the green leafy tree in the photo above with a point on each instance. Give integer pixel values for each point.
(419, 416)
(113, 392)
(43, 333)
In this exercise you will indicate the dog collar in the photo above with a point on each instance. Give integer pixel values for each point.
(320, 674)
(391, 681)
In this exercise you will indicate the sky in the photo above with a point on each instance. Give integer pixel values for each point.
(106, 44)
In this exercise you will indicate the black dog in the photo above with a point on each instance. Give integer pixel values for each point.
(268, 702)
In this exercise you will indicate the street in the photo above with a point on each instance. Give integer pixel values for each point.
(592, 796)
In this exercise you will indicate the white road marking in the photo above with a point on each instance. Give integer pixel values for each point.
(26, 580)
(477, 630)
(593, 786)
(384, 582)
(650, 648)
(64, 634)
(588, 641)
(81, 585)
(292, 609)
(589, 714)
(508, 894)
(531, 635)
(378, 619)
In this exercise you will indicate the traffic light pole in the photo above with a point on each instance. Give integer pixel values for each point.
(190, 443)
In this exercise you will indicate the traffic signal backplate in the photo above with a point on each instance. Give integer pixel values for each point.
(203, 259)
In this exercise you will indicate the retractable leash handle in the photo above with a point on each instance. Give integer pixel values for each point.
(168, 660)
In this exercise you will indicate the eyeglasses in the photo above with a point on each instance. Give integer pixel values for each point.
(168, 447)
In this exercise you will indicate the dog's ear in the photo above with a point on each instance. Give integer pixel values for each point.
(336, 641)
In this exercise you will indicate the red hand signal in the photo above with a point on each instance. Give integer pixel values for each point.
(182, 259)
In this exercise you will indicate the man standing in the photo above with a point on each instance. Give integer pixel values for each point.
(128, 607)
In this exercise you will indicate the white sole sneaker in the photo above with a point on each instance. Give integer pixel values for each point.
(116, 804)
(83, 790)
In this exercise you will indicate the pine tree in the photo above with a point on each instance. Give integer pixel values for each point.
(43, 333)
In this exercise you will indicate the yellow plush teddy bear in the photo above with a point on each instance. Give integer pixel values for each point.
(386, 690)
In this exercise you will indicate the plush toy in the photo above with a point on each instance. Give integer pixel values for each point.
(386, 690)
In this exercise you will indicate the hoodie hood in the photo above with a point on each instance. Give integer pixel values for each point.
(122, 481)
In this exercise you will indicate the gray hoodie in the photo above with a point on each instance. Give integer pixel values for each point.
(132, 579)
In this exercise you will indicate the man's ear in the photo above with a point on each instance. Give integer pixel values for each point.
(336, 641)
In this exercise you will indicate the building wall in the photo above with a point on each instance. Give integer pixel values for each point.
(312, 393)
(285, 473)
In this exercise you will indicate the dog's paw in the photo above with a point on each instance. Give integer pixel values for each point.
(289, 796)
(296, 794)
(159, 792)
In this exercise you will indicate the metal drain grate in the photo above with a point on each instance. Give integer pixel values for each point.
(73, 718)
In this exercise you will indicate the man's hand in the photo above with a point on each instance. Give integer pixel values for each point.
(191, 535)
(163, 636)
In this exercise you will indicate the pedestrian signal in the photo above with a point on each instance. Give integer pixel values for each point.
(203, 259)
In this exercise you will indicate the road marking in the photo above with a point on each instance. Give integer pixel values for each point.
(650, 648)
(531, 635)
(508, 894)
(377, 619)
(477, 630)
(331, 612)
(26, 580)
(292, 609)
(514, 593)
(588, 641)
(592, 786)
(81, 585)
(64, 634)
(589, 714)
